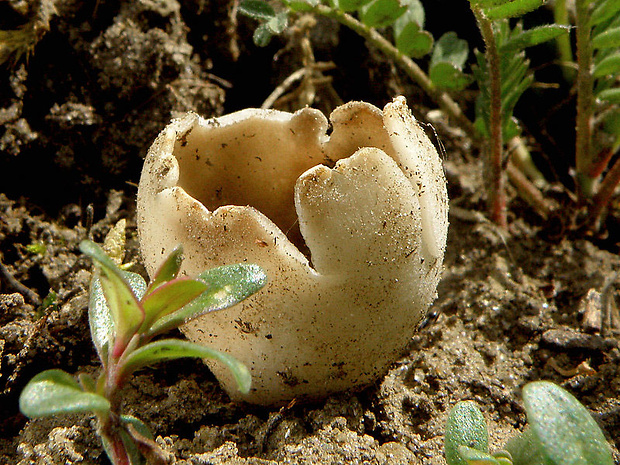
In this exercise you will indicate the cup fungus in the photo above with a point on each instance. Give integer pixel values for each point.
(350, 228)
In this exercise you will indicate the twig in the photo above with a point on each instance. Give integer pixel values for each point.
(605, 191)
(32, 296)
(528, 191)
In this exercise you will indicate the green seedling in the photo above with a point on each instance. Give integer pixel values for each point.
(503, 74)
(560, 431)
(125, 314)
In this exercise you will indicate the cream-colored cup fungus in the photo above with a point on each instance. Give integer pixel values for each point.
(350, 228)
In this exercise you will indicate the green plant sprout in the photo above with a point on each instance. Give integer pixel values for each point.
(560, 431)
(503, 75)
(125, 315)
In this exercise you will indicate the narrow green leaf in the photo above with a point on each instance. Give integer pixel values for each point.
(450, 49)
(532, 37)
(381, 13)
(262, 35)
(476, 457)
(488, 3)
(503, 457)
(138, 425)
(351, 5)
(257, 9)
(54, 392)
(87, 383)
(127, 313)
(610, 95)
(466, 426)
(512, 9)
(608, 39)
(99, 317)
(169, 269)
(610, 65)
(448, 77)
(170, 349)
(604, 10)
(564, 427)
(228, 285)
(169, 298)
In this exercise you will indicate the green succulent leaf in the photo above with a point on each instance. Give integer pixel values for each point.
(351, 5)
(169, 298)
(607, 39)
(564, 427)
(604, 10)
(99, 318)
(168, 270)
(610, 65)
(262, 35)
(446, 76)
(534, 36)
(257, 9)
(381, 13)
(170, 349)
(227, 286)
(512, 9)
(475, 457)
(54, 392)
(466, 426)
(125, 309)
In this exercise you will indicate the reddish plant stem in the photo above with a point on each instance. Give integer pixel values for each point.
(583, 144)
(495, 147)
(605, 192)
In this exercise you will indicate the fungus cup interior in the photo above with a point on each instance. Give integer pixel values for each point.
(255, 157)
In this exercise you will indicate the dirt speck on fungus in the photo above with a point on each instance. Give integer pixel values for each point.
(73, 133)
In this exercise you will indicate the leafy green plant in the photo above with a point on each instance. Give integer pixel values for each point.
(598, 101)
(560, 431)
(125, 314)
(503, 75)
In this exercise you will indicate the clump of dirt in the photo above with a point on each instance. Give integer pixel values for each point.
(73, 133)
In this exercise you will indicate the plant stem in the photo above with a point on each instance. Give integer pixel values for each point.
(528, 191)
(560, 16)
(605, 191)
(112, 440)
(497, 194)
(583, 144)
(442, 99)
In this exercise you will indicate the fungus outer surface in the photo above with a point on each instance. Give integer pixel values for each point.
(350, 229)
